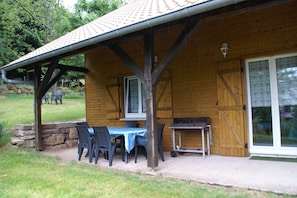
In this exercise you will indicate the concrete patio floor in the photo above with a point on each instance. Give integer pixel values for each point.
(272, 176)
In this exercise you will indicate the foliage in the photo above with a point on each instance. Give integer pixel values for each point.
(74, 95)
(90, 10)
(85, 11)
(4, 133)
(2, 127)
(24, 26)
(28, 24)
(64, 21)
(20, 32)
(77, 61)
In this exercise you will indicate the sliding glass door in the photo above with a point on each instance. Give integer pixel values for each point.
(286, 69)
(272, 101)
(260, 95)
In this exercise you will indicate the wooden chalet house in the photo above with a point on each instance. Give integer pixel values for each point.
(234, 61)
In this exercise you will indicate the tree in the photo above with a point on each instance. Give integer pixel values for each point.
(90, 10)
(85, 11)
(22, 28)
(28, 24)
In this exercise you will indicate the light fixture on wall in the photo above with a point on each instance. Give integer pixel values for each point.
(224, 49)
(156, 58)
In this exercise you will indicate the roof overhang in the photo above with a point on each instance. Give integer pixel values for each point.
(42, 54)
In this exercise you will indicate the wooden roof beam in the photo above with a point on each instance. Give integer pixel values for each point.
(127, 60)
(180, 42)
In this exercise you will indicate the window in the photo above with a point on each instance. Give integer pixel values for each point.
(272, 90)
(134, 98)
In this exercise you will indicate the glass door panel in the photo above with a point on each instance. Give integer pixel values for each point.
(287, 95)
(261, 103)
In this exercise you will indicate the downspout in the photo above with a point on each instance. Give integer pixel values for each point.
(13, 81)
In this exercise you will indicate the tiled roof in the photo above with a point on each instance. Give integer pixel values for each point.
(121, 21)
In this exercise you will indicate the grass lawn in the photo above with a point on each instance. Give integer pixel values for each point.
(27, 173)
(19, 109)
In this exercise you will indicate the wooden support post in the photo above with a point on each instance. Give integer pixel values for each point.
(150, 99)
(152, 142)
(37, 111)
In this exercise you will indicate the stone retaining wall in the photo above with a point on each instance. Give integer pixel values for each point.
(54, 135)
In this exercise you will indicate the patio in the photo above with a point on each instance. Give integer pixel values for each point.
(273, 176)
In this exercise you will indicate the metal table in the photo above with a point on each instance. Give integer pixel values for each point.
(182, 128)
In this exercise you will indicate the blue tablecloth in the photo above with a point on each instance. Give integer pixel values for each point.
(129, 135)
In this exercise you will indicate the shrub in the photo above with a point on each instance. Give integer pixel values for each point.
(2, 127)
(4, 134)
(74, 95)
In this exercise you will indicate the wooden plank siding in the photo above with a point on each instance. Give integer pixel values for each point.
(193, 74)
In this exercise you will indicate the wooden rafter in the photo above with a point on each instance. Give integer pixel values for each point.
(127, 60)
(187, 32)
(49, 80)
(72, 68)
(41, 87)
(150, 77)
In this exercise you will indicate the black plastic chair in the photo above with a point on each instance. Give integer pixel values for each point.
(84, 141)
(59, 96)
(103, 142)
(83, 123)
(142, 141)
(130, 124)
(120, 140)
(160, 129)
(87, 125)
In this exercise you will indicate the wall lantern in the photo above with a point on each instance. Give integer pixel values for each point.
(224, 49)
(156, 58)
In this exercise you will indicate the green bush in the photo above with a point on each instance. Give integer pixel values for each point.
(4, 134)
(2, 127)
(11, 87)
(75, 93)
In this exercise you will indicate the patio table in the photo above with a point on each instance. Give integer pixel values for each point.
(129, 136)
